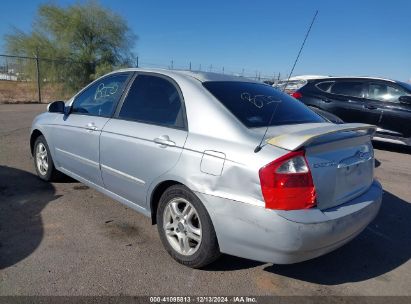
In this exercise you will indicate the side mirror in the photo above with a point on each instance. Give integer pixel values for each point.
(405, 99)
(56, 107)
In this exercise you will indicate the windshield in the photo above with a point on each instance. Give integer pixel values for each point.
(254, 104)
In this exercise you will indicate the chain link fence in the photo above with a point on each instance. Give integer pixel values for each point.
(42, 80)
(195, 66)
(32, 79)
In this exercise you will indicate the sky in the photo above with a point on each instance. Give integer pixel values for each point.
(364, 38)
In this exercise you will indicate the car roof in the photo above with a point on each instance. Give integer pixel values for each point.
(198, 75)
(307, 77)
(355, 78)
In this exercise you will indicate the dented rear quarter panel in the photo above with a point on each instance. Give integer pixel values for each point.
(222, 168)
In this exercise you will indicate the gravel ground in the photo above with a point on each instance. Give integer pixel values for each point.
(67, 239)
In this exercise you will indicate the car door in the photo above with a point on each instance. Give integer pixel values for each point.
(346, 100)
(396, 116)
(76, 136)
(145, 138)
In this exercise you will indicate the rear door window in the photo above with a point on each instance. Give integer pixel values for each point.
(254, 104)
(153, 100)
(348, 88)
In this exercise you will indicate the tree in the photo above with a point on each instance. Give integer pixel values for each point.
(81, 42)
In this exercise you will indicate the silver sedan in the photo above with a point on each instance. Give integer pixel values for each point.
(221, 164)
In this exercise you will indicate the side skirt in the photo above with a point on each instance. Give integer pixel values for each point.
(114, 196)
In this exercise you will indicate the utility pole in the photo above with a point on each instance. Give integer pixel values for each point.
(137, 62)
(190, 65)
(38, 74)
(223, 70)
(172, 64)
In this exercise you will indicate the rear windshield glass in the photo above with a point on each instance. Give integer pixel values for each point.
(254, 103)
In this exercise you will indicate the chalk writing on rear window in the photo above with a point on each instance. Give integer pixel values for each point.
(258, 100)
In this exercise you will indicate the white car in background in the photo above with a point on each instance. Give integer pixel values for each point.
(294, 83)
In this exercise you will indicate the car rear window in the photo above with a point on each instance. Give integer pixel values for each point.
(254, 104)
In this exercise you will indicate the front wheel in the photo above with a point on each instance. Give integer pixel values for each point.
(43, 162)
(185, 228)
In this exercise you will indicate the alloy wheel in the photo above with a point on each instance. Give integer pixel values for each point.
(182, 226)
(42, 158)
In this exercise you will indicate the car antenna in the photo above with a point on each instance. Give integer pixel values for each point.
(258, 148)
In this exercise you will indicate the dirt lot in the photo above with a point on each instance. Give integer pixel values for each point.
(27, 92)
(67, 239)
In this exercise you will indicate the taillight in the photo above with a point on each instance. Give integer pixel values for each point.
(297, 95)
(287, 183)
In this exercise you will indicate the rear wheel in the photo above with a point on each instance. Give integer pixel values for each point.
(185, 228)
(43, 162)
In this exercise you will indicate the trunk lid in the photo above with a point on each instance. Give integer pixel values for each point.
(340, 158)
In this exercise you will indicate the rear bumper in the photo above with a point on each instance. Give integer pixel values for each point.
(286, 237)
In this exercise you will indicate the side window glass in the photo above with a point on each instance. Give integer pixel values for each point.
(101, 98)
(348, 88)
(384, 92)
(153, 100)
(325, 86)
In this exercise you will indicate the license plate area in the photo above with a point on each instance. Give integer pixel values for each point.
(353, 178)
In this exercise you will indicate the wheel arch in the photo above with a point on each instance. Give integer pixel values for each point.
(34, 135)
(158, 190)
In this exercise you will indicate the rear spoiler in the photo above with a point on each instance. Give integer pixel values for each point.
(295, 140)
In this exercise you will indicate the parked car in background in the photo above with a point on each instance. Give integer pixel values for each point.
(291, 85)
(327, 115)
(381, 102)
(183, 148)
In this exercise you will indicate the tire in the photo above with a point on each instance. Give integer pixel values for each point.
(48, 173)
(183, 227)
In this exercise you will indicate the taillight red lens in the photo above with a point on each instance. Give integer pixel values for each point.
(287, 184)
(297, 95)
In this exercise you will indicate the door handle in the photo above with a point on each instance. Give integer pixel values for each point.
(164, 141)
(91, 126)
(370, 107)
(326, 100)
